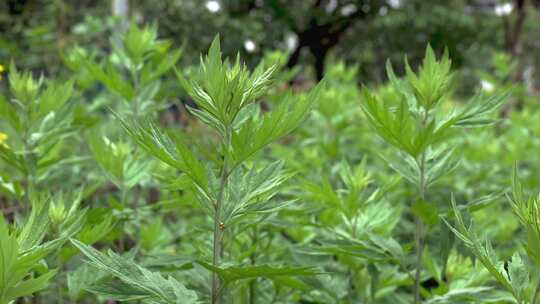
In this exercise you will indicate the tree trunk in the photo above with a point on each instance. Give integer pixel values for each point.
(120, 9)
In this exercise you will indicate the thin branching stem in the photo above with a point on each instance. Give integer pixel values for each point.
(135, 107)
(253, 258)
(218, 225)
(30, 159)
(420, 229)
(355, 225)
(419, 241)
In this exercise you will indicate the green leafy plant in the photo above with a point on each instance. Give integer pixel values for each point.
(39, 115)
(228, 190)
(40, 119)
(517, 275)
(230, 182)
(18, 260)
(23, 250)
(132, 73)
(136, 282)
(356, 226)
(424, 134)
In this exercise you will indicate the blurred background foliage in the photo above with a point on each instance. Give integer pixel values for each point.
(35, 34)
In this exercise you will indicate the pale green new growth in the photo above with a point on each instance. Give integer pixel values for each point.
(22, 251)
(527, 209)
(123, 166)
(221, 91)
(16, 263)
(433, 80)
(40, 114)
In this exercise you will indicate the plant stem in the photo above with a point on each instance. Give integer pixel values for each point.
(419, 241)
(60, 299)
(420, 229)
(122, 242)
(218, 230)
(31, 163)
(135, 101)
(253, 258)
(355, 225)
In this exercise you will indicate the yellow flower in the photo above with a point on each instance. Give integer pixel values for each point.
(3, 138)
(2, 69)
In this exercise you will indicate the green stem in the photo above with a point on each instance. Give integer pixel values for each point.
(419, 236)
(30, 160)
(218, 225)
(253, 258)
(59, 292)
(419, 241)
(135, 101)
(355, 225)
(123, 201)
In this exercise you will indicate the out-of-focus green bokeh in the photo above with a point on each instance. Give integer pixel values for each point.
(35, 33)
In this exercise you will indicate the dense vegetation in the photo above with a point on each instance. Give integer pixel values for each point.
(131, 172)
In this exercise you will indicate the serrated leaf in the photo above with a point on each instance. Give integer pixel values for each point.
(518, 274)
(221, 90)
(30, 286)
(137, 280)
(161, 146)
(234, 273)
(35, 228)
(112, 80)
(250, 190)
(255, 134)
(484, 252)
(477, 110)
(16, 266)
